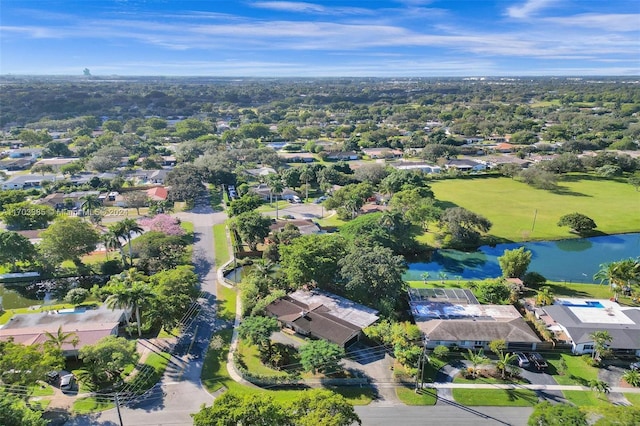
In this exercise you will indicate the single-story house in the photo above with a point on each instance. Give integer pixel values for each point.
(297, 157)
(150, 177)
(323, 315)
(343, 156)
(28, 181)
(417, 165)
(157, 193)
(465, 165)
(56, 163)
(261, 171)
(376, 153)
(305, 226)
(59, 200)
(573, 320)
(454, 317)
(12, 165)
(89, 326)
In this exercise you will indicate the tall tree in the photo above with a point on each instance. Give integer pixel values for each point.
(514, 263)
(15, 248)
(124, 229)
(25, 365)
(107, 359)
(68, 238)
(373, 276)
(258, 330)
(15, 411)
(27, 215)
(312, 259)
(320, 407)
(601, 340)
(464, 226)
(129, 290)
(252, 227)
(321, 356)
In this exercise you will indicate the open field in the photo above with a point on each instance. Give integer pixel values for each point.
(496, 397)
(511, 205)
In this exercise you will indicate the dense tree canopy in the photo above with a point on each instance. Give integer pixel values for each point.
(463, 226)
(514, 263)
(68, 238)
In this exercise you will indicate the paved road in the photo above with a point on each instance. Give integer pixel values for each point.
(180, 392)
(449, 415)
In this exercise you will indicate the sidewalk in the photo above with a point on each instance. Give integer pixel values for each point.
(519, 386)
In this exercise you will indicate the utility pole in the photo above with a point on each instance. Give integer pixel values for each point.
(118, 409)
(535, 214)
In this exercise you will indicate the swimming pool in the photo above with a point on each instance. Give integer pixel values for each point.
(585, 304)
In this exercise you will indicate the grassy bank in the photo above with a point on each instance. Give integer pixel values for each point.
(221, 248)
(512, 205)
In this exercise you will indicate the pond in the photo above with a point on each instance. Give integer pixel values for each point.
(11, 299)
(575, 260)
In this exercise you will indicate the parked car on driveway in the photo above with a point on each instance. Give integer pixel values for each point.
(66, 382)
(522, 360)
(538, 361)
(635, 366)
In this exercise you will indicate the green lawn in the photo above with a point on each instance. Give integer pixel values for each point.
(90, 405)
(150, 371)
(221, 248)
(634, 398)
(589, 400)
(227, 302)
(409, 396)
(496, 397)
(331, 221)
(251, 358)
(577, 372)
(511, 205)
(271, 207)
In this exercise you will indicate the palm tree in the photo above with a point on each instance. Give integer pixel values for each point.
(129, 291)
(505, 362)
(90, 203)
(306, 175)
(544, 296)
(425, 276)
(601, 341)
(443, 276)
(59, 338)
(111, 241)
(476, 359)
(124, 229)
(275, 187)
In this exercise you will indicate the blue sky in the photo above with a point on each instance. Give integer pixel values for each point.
(264, 38)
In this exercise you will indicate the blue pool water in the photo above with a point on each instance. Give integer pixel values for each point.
(574, 260)
(587, 304)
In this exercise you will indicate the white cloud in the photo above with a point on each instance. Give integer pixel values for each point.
(312, 8)
(529, 8)
(607, 22)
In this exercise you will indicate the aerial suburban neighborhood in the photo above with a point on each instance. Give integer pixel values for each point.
(199, 246)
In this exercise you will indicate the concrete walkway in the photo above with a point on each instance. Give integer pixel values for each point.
(519, 386)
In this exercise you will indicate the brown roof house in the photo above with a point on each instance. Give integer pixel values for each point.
(323, 315)
(454, 317)
(89, 326)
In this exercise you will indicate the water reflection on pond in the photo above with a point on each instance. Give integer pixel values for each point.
(574, 260)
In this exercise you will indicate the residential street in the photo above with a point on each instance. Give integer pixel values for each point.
(180, 392)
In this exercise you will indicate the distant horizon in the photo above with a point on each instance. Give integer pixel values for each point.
(321, 38)
(262, 77)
